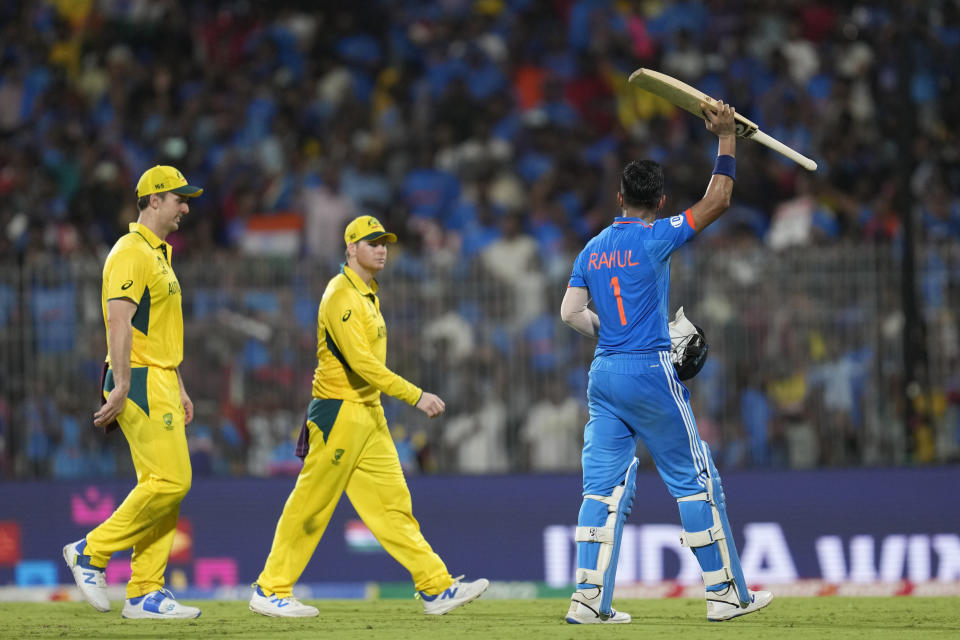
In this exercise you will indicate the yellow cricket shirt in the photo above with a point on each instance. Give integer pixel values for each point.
(138, 269)
(352, 345)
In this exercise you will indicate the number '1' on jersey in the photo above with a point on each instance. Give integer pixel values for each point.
(626, 269)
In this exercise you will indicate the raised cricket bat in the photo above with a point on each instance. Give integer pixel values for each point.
(689, 99)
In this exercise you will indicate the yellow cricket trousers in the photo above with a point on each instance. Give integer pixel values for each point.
(153, 422)
(350, 449)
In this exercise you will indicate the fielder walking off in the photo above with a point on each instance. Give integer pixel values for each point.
(142, 391)
(345, 444)
(634, 392)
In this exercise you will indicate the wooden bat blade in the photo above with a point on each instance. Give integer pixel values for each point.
(689, 99)
(684, 96)
(670, 89)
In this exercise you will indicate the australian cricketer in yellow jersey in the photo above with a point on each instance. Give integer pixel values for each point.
(345, 444)
(142, 391)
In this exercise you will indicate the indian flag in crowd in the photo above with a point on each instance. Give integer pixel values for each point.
(359, 538)
(276, 234)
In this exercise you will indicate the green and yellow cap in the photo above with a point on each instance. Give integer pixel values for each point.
(366, 228)
(162, 178)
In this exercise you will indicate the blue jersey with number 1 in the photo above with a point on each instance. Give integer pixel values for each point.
(626, 269)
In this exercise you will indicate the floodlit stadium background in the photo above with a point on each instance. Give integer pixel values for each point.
(488, 135)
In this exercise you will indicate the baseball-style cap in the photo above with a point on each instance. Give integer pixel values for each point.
(366, 228)
(163, 178)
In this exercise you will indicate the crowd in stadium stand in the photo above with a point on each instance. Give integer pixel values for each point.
(489, 136)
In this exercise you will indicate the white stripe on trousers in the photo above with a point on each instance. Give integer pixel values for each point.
(696, 449)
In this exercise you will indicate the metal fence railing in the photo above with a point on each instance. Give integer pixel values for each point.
(805, 364)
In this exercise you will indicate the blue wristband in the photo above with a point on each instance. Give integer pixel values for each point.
(726, 166)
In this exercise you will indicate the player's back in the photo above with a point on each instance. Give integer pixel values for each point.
(626, 269)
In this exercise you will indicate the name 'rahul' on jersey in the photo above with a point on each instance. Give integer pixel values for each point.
(612, 259)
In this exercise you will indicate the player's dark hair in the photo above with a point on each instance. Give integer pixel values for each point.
(641, 184)
(144, 202)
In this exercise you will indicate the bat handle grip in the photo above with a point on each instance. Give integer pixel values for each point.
(779, 147)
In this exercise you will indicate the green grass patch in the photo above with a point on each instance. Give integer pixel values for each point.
(786, 618)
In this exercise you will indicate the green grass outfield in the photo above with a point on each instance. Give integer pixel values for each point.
(835, 618)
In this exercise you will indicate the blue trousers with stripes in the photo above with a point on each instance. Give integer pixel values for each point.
(639, 397)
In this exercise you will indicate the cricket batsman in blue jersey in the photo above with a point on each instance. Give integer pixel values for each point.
(634, 392)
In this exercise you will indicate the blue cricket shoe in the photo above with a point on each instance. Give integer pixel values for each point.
(158, 605)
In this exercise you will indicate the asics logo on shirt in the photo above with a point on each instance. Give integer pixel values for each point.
(126, 285)
(346, 316)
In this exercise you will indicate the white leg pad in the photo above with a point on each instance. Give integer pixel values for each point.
(589, 576)
(605, 536)
(705, 497)
(704, 538)
(594, 534)
(718, 576)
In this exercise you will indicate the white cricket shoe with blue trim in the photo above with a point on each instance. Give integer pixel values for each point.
(90, 579)
(724, 605)
(273, 606)
(456, 595)
(585, 609)
(158, 605)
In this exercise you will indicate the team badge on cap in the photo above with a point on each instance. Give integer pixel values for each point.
(366, 228)
(163, 178)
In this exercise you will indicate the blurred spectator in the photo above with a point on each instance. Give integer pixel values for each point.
(476, 434)
(327, 212)
(513, 261)
(70, 460)
(839, 378)
(756, 421)
(202, 452)
(553, 431)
